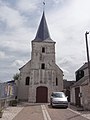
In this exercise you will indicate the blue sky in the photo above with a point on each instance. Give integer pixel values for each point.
(67, 22)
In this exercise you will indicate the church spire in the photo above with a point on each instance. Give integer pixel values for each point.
(43, 32)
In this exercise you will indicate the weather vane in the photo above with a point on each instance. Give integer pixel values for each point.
(44, 5)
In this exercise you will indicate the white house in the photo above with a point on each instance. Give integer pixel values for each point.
(80, 91)
(40, 76)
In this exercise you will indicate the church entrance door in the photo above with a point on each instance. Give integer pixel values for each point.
(42, 94)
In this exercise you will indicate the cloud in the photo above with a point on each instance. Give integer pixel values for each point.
(69, 65)
(27, 6)
(15, 36)
(18, 63)
(2, 55)
(67, 28)
(67, 21)
(11, 17)
(60, 2)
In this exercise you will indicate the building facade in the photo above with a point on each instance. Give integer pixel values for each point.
(40, 76)
(66, 87)
(80, 91)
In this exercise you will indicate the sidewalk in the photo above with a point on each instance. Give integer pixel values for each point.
(11, 112)
(81, 111)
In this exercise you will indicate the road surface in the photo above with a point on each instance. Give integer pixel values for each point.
(46, 112)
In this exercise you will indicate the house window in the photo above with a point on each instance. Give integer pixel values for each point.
(27, 80)
(79, 74)
(42, 66)
(56, 81)
(43, 49)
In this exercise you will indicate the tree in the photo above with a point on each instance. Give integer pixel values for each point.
(16, 76)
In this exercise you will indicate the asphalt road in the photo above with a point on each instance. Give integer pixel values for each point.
(64, 114)
(46, 112)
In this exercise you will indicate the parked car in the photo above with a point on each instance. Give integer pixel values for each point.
(58, 99)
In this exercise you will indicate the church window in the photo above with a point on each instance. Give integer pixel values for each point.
(43, 49)
(56, 81)
(42, 66)
(27, 81)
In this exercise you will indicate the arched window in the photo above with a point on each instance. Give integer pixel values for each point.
(27, 81)
(56, 81)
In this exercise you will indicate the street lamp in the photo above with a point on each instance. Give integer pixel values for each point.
(87, 49)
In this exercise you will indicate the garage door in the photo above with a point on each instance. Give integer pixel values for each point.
(42, 94)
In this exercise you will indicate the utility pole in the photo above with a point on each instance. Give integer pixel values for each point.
(87, 49)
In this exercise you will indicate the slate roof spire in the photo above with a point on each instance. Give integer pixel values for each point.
(43, 32)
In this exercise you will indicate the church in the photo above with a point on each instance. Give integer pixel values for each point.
(41, 75)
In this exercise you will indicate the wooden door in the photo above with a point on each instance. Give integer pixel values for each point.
(77, 97)
(42, 94)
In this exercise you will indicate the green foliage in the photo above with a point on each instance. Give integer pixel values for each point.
(16, 76)
(1, 109)
(13, 103)
(1, 112)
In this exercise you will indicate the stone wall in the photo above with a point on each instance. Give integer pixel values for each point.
(86, 96)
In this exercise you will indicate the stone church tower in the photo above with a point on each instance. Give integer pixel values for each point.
(40, 76)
